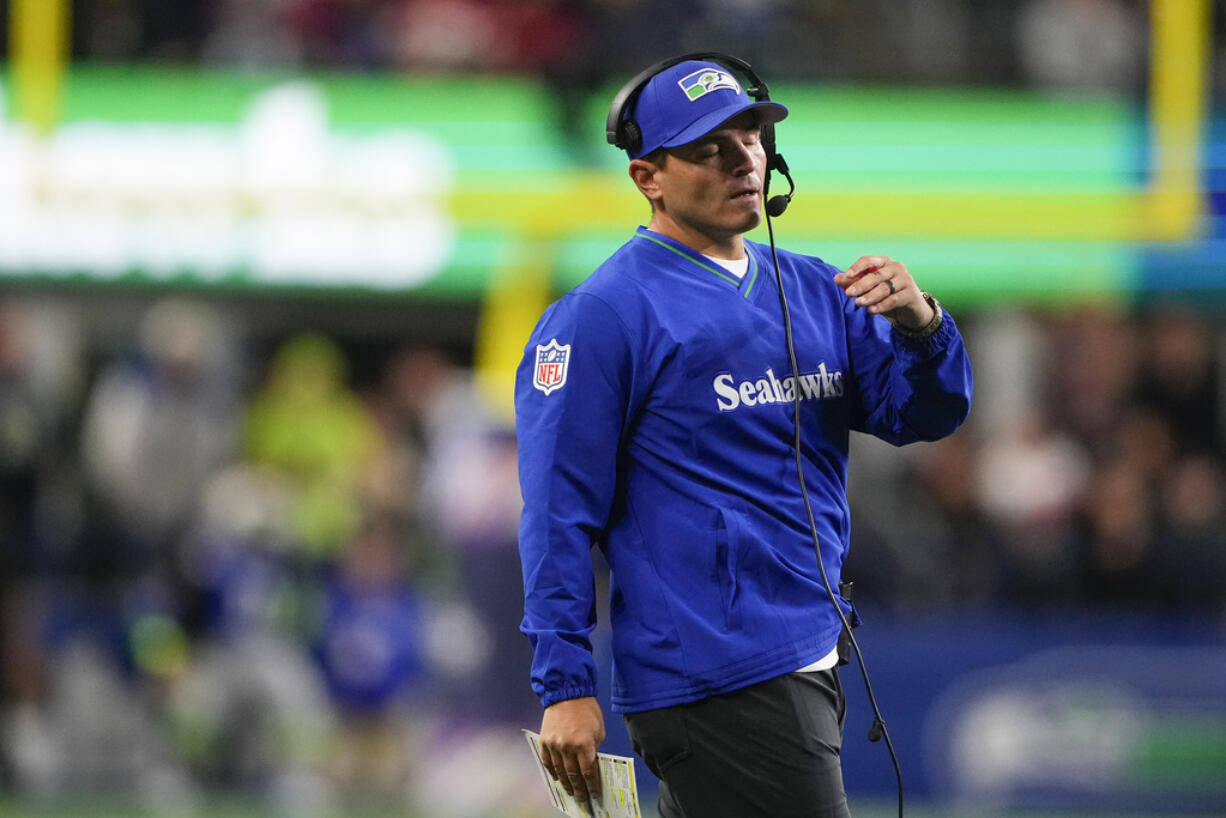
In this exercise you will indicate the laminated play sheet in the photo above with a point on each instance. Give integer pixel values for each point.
(618, 794)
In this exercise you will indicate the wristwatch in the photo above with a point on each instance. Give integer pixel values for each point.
(928, 329)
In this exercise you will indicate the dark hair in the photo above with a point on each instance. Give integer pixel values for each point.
(657, 157)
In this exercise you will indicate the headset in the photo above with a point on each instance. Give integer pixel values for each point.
(623, 131)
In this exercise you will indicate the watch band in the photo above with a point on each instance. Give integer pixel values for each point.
(928, 329)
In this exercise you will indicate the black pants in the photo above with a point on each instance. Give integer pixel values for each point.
(769, 750)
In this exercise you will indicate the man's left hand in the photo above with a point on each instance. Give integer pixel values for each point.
(884, 287)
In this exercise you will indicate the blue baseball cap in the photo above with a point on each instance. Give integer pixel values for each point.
(689, 100)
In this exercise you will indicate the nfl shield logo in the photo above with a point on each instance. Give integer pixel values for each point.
(552, 361)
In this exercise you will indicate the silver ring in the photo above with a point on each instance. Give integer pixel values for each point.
(889, 282)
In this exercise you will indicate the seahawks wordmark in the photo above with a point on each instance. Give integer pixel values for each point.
(819, 385)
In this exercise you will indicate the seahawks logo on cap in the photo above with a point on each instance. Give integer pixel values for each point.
(705, 80)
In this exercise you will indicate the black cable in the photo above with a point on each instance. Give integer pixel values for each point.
(878, 730)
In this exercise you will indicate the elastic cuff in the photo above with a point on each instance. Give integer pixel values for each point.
(555, 696)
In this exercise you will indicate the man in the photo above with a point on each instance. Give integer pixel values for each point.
(655, 420)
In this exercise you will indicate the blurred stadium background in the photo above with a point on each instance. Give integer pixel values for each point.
(265, 270)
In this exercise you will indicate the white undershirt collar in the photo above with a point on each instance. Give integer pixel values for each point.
(737, 266)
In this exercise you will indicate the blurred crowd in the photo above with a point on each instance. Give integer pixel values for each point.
(1092, 473)
(227, 563)
(1064, 43)
(581, 46)
(230, 568)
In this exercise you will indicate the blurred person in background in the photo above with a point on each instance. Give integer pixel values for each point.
(116, 30)
(371, 648)
(934, 546)
(476, 497)
(1179, 379)
(411, 407)
(1121, 529)
(248, 711)
(1070, 45)
(1177, 435)
(158, 424)
(1190, 570)
(635, 436)
(251, 34)
(338, 32)
(311, 431)
(456, 511)
(42, 380)
(449, 35)
(1093, 362)
(42, 376)
(471, 495)
(1031, 478)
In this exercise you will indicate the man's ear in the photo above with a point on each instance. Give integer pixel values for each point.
(643, 173)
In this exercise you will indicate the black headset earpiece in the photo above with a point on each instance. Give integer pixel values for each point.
(630, 135)
(621, 131)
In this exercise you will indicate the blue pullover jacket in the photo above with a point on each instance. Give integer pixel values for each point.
(654, 417)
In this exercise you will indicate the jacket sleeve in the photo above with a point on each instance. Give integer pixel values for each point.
(569, 421)
(908, 389)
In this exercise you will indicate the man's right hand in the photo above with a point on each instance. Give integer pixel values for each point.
(571, 730)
